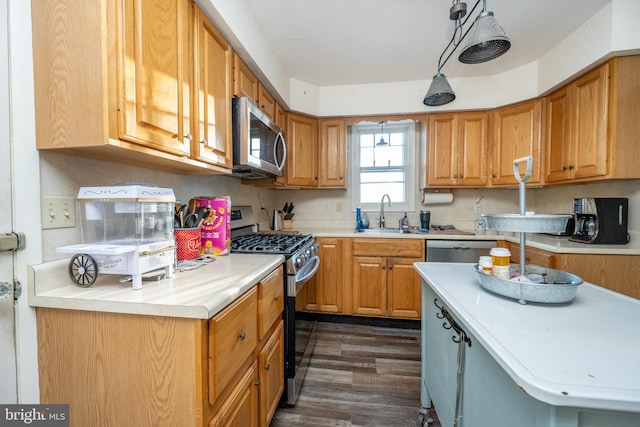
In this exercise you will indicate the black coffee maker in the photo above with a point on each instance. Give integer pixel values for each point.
(601, 220)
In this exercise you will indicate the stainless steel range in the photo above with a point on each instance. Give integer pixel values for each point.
(301, 264)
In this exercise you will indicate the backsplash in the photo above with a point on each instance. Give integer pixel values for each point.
(63, 175)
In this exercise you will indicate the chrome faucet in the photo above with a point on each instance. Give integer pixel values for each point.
(382, 209)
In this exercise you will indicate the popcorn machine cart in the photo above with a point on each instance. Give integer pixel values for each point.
(126, 230)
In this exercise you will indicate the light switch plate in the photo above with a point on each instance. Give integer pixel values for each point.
(58, 212)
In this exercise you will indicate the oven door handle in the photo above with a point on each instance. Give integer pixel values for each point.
(304, 274)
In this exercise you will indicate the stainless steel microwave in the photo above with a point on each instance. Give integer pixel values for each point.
(259, 149)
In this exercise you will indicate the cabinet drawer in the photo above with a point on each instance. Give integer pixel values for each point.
(233, 336)
(270, 301)
(388, 247)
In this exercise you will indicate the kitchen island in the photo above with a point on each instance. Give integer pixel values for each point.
(202, 348)
(571, 364)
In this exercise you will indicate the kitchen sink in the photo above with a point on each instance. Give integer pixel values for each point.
(380, 231)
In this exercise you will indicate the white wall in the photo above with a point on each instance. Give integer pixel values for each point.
(613, 30)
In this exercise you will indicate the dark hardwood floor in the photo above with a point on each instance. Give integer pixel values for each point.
(359, 375)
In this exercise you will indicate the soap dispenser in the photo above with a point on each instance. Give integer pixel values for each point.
(405, 222)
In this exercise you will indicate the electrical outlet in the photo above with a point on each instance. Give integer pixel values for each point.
(339, 206)
(327, 206)
(58, 212)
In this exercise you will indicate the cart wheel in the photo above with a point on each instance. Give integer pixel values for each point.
(423, 418)
(83, 270)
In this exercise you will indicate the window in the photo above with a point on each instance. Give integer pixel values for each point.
(384, 163)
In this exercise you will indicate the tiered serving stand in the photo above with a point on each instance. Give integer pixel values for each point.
(535, 283)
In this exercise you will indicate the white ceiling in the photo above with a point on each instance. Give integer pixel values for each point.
(341, 42)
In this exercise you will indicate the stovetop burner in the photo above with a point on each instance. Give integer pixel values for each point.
(269, 243)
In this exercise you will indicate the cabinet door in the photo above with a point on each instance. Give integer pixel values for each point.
(589, 123)
(271, 372)
(155, 74)
(212, 132)
(329, 280)
(403, 285)
(333, 154)
(302, 150)
(281, 119)
(533, 256)
(558, 160)
(615, 272)
(270, 301)
(517, 132)
(245, 83)
(442, 160)
(241, 407)
(266, 102)
(457, 150)
(370, 286)
(472, 150)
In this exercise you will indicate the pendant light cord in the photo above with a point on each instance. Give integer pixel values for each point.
(458, 28)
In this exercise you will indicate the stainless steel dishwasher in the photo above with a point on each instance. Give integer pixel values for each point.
(457, 250)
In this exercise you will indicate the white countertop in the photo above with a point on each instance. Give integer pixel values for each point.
(200, 293)
(534, 240)
(582, 354)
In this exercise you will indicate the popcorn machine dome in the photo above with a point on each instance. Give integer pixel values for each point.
(126, 230)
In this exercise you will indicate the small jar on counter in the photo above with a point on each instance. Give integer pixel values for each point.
(485, 264)
(500, 259)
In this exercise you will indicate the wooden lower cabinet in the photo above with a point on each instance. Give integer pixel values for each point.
(384, 282)
(532, 255)
(241, 407)
(403, 288)
(324, 292)
(143, 370)
(271, 373)
(369, 286)
(618, 273)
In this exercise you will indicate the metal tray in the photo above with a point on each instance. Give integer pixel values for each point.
(538, 223)
(559, 286)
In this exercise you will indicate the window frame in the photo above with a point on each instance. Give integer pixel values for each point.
(409, 128)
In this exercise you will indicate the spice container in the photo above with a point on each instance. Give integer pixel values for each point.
(500, 259)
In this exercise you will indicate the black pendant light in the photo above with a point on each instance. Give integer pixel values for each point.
(382, 142)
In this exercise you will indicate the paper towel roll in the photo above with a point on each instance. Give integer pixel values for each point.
(430, 198)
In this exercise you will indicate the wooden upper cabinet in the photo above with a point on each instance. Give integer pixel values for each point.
(457, 150)
(116, 83)
(302, 150)
(266, 102)
(333, 153)
(155, 72)
(213, 80)
(516, 133)
(281, 119)
(577, 141)
(558, 163)
(245, 83)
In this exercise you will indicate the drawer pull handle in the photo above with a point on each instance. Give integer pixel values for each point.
(242, 335)
(267, 367)
(276, 298)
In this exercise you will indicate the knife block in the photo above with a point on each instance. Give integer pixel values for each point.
(287, 224)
